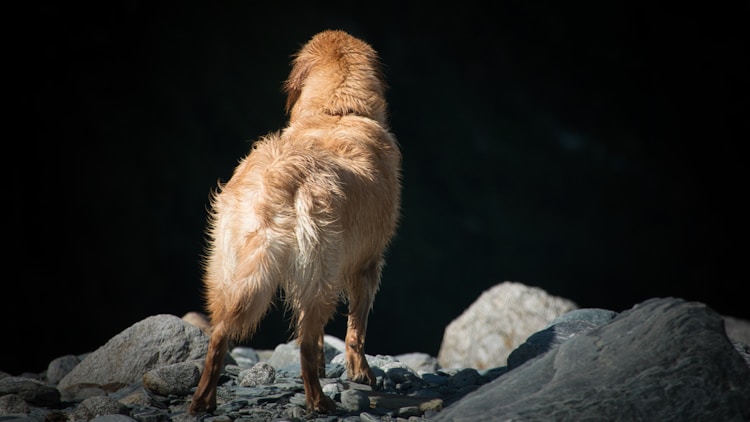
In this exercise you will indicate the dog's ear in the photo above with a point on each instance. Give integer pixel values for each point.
(293, 85)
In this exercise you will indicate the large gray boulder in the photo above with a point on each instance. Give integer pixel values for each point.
(499, 320)
(150, 343)
(665, 359)
(562, 329)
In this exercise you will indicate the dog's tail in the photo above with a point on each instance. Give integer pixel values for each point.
(313, 290)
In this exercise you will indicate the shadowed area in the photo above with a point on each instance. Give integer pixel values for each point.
(591, 150)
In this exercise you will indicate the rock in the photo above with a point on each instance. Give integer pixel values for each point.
(419, 362)
(98, 406)
(155, 341)
(503, 317)
(562, 329)
(335, 342)
(287, 354)
(113, 418)
(32, 391)
(80, 392)
(261, 373)
(737, 329)
(245, 357)
(355, 400)
(13, 403)
(177, 378)
(465, 377)
(664, 359)
(743, 350)
(58, 368)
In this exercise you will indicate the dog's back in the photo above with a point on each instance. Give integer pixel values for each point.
(312, 205)
(310, 211)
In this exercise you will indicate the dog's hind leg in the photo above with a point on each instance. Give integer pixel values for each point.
(361, 294)
(312, 321)
(204, 398)
(236, 308)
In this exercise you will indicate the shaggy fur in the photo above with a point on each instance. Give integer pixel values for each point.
(310, 212)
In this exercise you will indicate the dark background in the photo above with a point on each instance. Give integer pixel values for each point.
(590, 149)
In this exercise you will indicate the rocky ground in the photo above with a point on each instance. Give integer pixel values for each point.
(665, 359)
(255, 385)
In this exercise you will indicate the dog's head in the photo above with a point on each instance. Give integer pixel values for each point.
(336, 74)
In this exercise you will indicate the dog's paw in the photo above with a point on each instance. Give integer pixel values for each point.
(324, 404)
(200, 405)
(364, 377)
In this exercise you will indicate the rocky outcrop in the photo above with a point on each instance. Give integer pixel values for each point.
(664, 359)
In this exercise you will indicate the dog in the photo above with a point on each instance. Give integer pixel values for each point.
(309, 212)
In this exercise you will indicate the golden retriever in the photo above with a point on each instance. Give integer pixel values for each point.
(309, 212)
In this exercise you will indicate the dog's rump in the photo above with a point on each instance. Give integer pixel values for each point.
(296, 214)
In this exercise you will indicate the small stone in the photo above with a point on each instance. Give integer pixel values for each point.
(114, 418)
(232, 369)
(298, 399)
(149, 414)
(220, 418)
(260, 374)
(245, 357)
(257, 415)
(367, 417)
(335, 370)
(331, 390)
(98, 406)
(176, 379)
(408, 411)
(184, 417)
(59, 367)
(13, 403)
(434, 405)
(138, 397)
(464, 377)
(435, 379)
(32, 391)
(232, 406)
(292, 411)
(79, 392)
(354, 400)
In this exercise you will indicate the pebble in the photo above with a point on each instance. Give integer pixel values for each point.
(252, 390)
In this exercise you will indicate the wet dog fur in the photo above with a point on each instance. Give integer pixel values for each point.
(309, 212)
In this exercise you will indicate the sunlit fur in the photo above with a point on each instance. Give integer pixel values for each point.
(309, 212)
